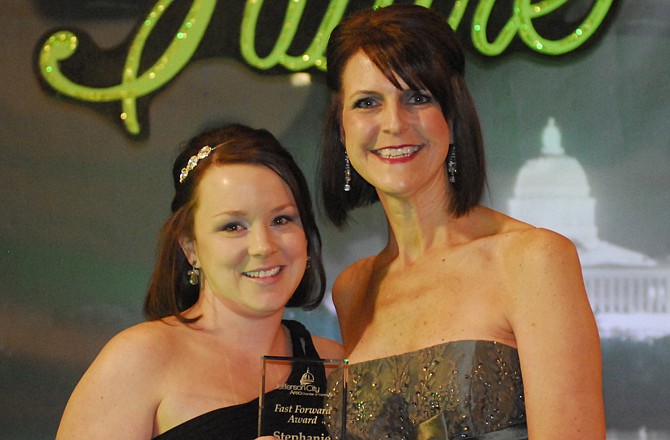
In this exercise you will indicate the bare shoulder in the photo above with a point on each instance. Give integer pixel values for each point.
(513, 238)
(120, 391)
(352, 279)
(536, 264)
(328, 348)
(543, 277)
(349, 297)
(138, 352)
(148, 337)
(520, 242)
(513, 231)
(357, 270)
(537, 248)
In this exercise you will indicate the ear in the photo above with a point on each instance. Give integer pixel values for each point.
(190, 249)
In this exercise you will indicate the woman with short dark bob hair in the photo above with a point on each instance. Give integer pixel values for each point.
(468, 324)
(433, 60)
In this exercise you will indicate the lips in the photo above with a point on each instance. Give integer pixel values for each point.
(264, 273)
(397, 152)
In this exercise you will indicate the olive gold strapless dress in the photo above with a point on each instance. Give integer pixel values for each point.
(458, 390)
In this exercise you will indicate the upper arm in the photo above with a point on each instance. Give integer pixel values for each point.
(116, 396)
(557, 339)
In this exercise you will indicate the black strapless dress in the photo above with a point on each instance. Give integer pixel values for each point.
(240, 422)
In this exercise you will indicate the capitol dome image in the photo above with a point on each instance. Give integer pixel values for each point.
(628, 290)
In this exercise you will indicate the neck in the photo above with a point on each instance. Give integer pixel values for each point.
(418, 223)
(256, 335)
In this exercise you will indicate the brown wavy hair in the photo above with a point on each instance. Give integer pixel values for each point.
(169, 292)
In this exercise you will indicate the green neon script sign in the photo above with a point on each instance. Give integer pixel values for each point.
(134, 84)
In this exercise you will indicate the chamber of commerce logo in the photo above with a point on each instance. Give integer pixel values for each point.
(307, 378)
(306, 387)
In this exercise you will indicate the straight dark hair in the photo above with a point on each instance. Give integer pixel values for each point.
(417, 45)
(169, 292)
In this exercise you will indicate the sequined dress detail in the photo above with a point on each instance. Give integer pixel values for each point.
(457, 390)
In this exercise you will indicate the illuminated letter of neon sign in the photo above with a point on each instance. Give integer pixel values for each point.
(133, 85)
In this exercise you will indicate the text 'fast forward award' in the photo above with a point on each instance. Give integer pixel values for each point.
(303, 398)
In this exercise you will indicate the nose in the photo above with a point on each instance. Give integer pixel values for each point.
(394, 118)
(261, 241)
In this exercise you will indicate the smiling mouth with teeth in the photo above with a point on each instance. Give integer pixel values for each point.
(263, 273)
(393, 153)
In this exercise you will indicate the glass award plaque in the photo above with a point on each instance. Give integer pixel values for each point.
(302, 399)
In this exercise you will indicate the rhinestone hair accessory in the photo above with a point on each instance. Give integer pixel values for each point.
(193, 162)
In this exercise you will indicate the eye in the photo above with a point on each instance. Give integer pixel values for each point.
(366, 102)
(419, 97)
(282, 220)
(232, 227)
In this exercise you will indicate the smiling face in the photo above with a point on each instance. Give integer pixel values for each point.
(248, 240)
(397, 139)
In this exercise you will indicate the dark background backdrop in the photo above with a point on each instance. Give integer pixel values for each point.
(81, 201)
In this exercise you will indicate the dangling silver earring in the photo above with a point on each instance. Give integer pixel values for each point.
(193, 275)
(347, 173)
(451, 164)
(309, 262)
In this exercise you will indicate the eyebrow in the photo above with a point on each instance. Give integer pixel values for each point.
(361, 92)
(237, 212)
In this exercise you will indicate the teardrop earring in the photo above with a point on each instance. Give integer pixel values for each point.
(193, 275)
(347, 173)
(451, 164)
